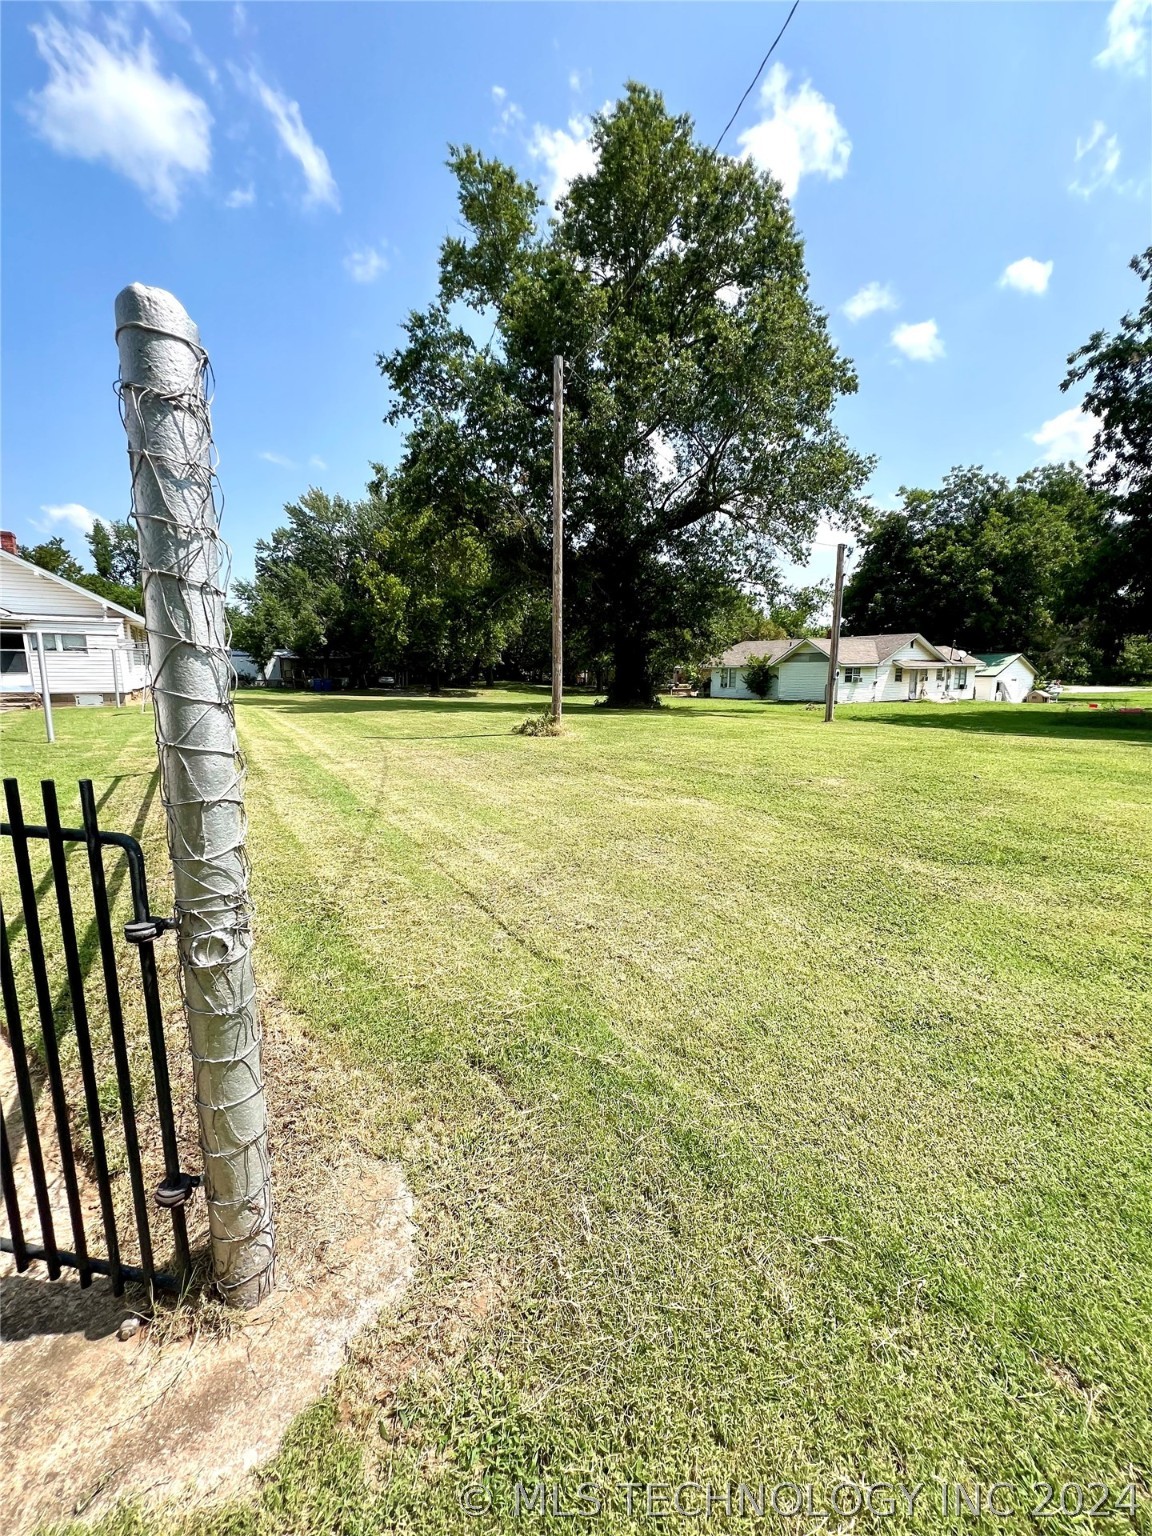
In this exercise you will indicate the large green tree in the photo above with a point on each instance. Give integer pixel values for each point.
(1118, 370)
(698, 435)
(115, 553)
(992, 565)
(307, 595)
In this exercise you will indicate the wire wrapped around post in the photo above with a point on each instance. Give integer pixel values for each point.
(164, 404)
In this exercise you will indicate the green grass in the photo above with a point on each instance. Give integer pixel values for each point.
(1134, 695)
(776, 1095)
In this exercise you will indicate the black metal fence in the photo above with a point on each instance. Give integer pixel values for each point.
(32, 1132)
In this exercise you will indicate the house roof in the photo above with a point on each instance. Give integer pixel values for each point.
(996, 662)
(855, 650)
(105, 603)
(748, 650)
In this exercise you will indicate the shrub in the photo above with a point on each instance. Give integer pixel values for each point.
(539, 725)
(758, 675)
(1136, 658)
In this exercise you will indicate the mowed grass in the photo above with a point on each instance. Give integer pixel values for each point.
(777, 1096)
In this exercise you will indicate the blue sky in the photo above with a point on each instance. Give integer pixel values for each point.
(971, 180)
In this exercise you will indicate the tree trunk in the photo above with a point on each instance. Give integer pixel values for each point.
(631, 686)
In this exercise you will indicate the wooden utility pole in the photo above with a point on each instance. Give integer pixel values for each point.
(834, 644)
(557, 537)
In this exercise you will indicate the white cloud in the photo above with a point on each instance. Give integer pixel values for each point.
(316, 462)
(565, 154)
(575, 81)
(73, 515)
(289, 125)
(1067, 436)
(241, 197)
(167, 15)
(919, 342)
(1128, 34)
(1100, 154)
(730, 295)
(1026, 275)
(869, 299)
(510, 113)
(276, 458)
(108, 101)
(365, 264)
(802, 136)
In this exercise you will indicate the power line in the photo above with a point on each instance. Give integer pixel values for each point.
(640, 269)
(755, 77)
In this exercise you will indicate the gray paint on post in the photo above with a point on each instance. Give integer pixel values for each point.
(163, 372)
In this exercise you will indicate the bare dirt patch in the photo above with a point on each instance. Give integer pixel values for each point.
(107, 1399)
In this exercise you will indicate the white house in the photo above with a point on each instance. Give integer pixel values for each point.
(92, 650)
(1007, 677)
(873, 669)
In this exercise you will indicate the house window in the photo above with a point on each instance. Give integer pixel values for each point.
(899, 674)
(853, 674)
(66, 643)
(962, 677)
(13, 656)
(940, 674)
(725, 677)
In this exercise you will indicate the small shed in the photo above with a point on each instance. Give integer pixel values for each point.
(1006, 677)
(280, 671)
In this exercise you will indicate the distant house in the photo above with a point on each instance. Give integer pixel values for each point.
(873, 669)
(281, 669)
(1007, 677)
(92, 650)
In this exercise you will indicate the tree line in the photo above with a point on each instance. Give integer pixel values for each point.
(700, 453)
(1057, 564)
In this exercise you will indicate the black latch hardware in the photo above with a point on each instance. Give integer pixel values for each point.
(146, 929)
(177, 1189)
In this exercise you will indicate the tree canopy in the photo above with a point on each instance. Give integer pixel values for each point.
(993, 565)
(698, 435)
(1119, 373)
(53, 555)
(361, 588)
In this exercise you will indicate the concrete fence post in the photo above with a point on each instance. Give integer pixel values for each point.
(183, 561)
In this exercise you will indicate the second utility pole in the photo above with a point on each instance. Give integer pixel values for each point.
(834, 645)
(557, 537)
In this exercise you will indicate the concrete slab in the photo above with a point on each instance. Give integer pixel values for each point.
(89, 1417)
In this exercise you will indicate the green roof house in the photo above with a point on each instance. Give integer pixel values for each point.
(1005, 677)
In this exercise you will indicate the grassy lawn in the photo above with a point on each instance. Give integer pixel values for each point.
(776, 1096)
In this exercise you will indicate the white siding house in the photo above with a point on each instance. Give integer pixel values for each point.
(1005, 678)
(94, 651)
(873, 669)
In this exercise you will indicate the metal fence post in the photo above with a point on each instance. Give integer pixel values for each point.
(165, 408)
